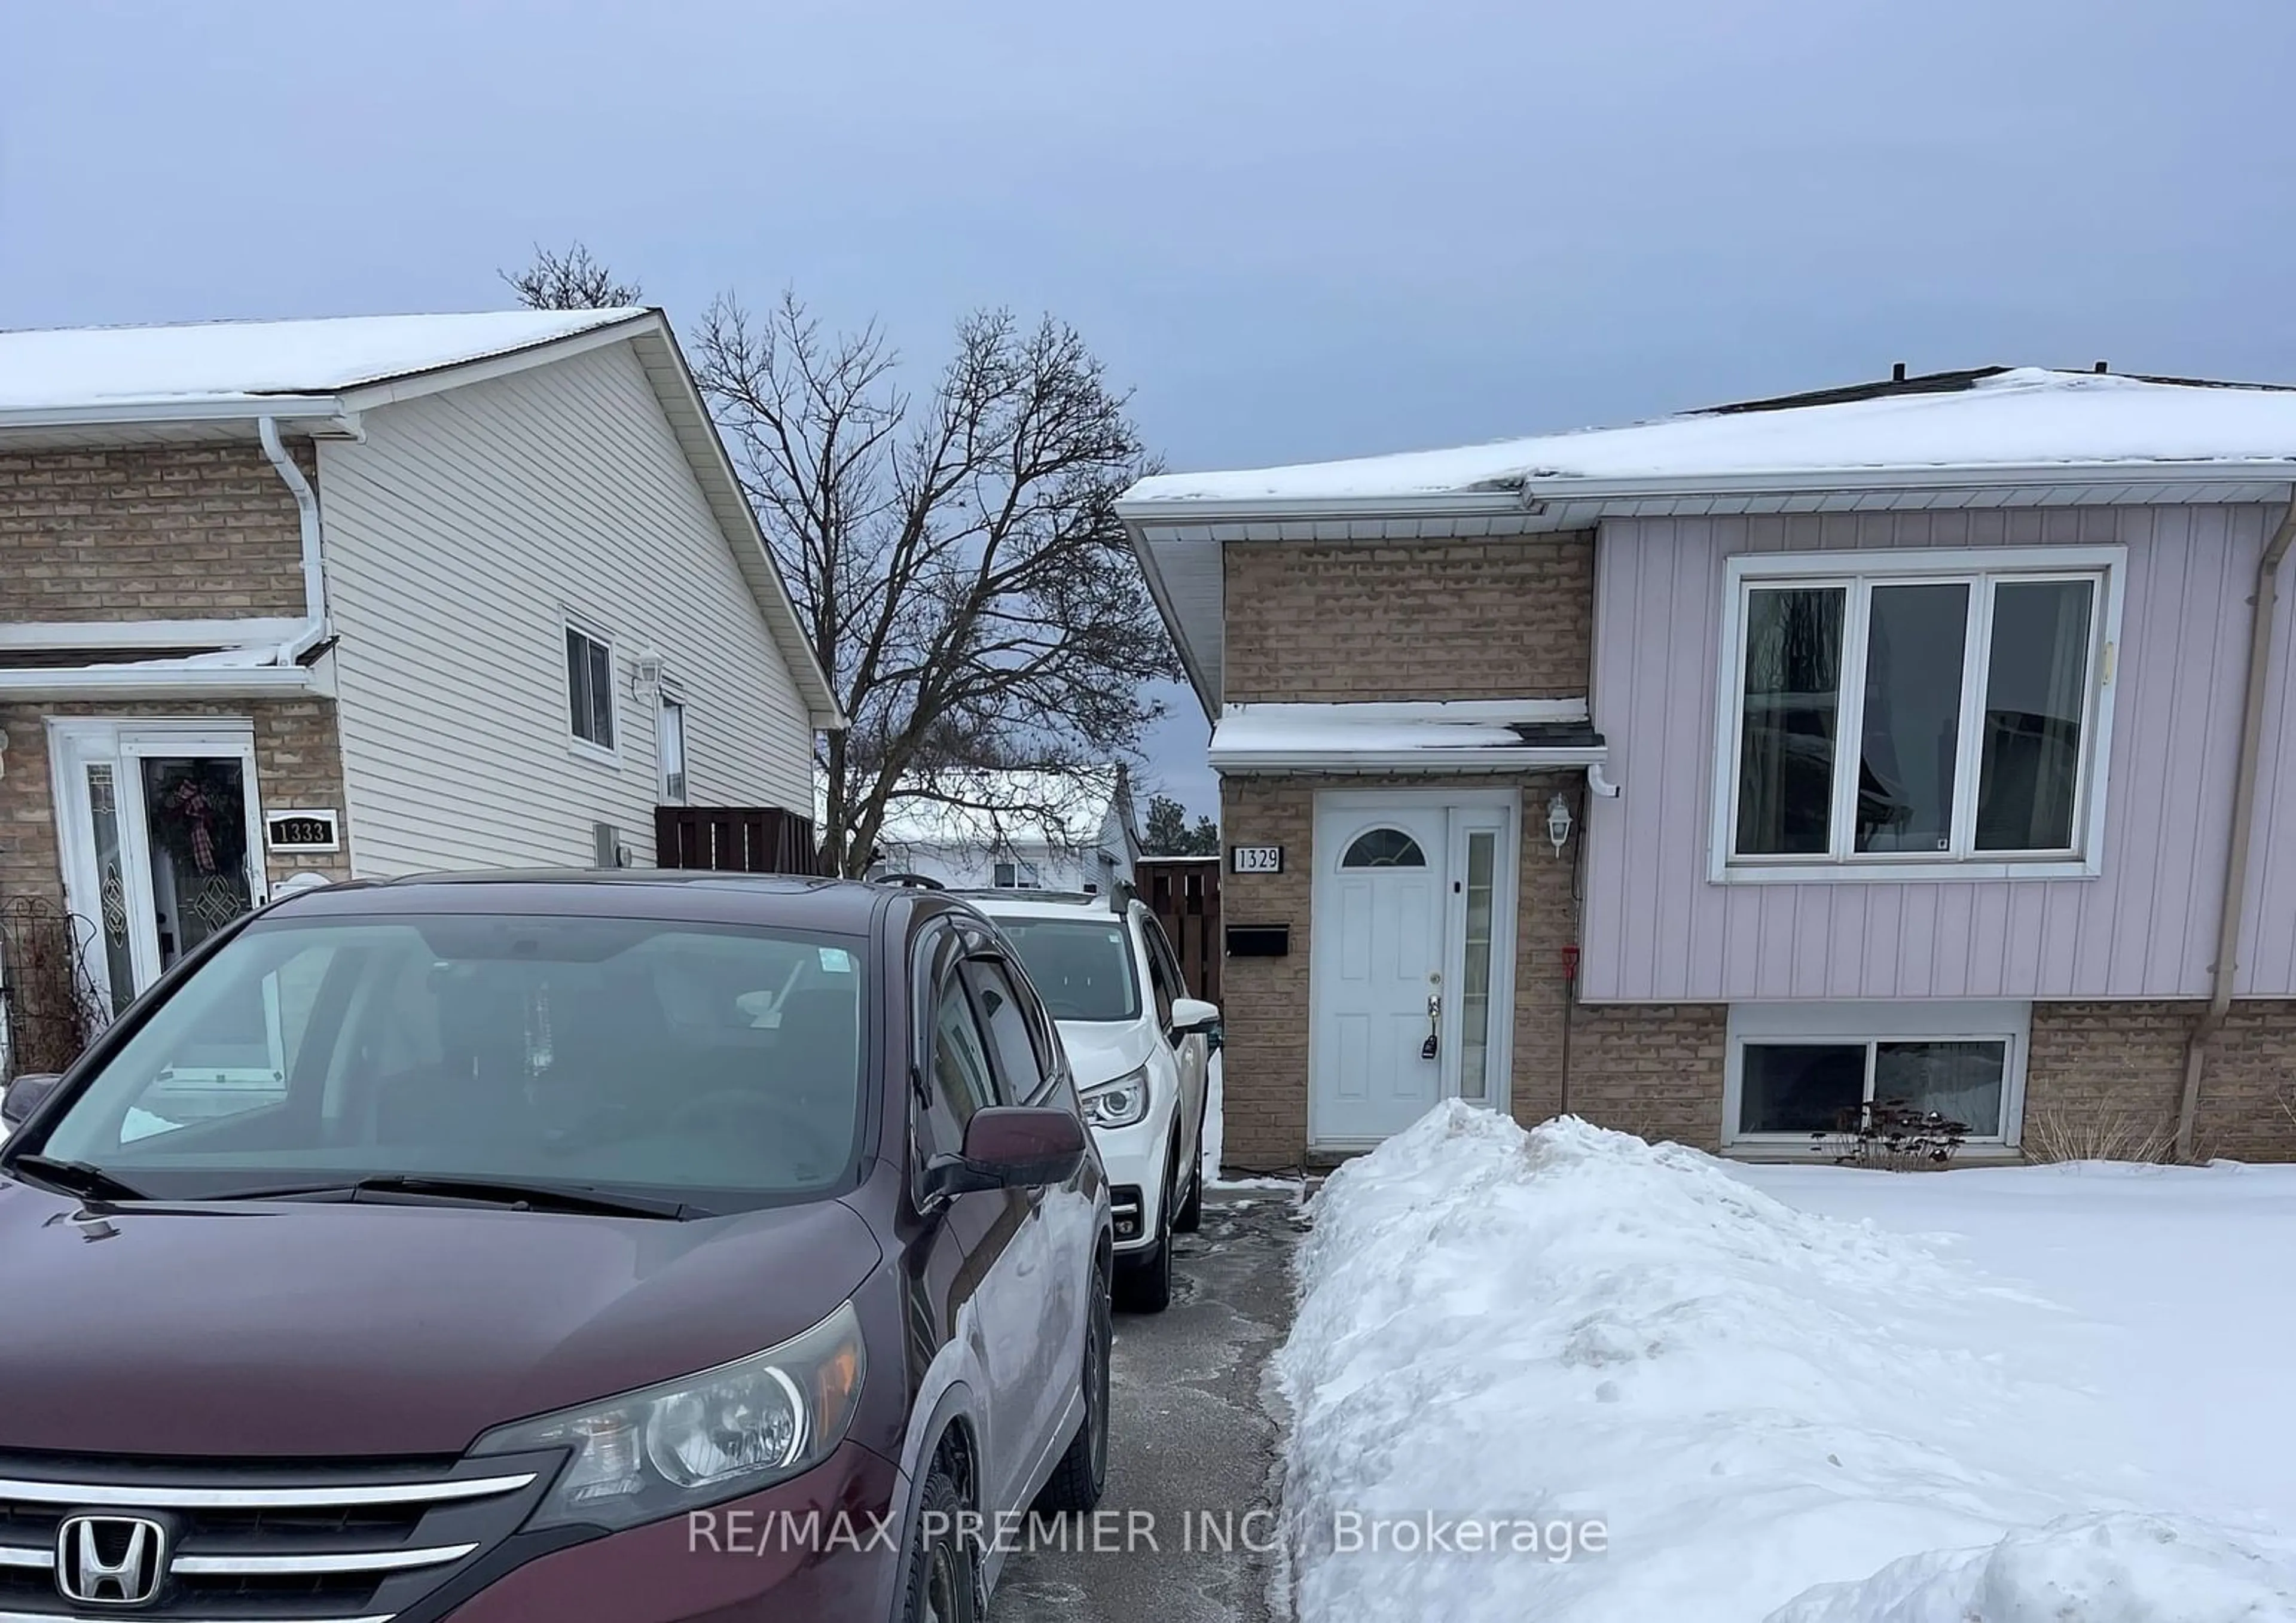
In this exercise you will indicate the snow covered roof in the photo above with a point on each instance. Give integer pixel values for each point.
(62, 385)
(1435, 736)
(1994, 418)
(1989, 437)
(203, 365)
(1008, 808)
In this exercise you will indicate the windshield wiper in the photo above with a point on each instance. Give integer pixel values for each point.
(75, 1178)
(514, 1193)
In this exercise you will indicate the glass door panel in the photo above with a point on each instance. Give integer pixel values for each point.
(111, 879)
(195, 812)
(1475, 977)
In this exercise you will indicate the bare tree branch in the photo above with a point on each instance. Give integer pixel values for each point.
(955, 555)
(569, 280)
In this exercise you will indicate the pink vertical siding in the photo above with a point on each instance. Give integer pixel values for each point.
(1656, 929)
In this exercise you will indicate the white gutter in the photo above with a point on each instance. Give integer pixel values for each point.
(1496, 757)
(307, 513)
(237, 408)
(1980, 476)
(160, 682)
(2222, 973)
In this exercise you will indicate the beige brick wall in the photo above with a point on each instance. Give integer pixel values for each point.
(166, 532)
(1651, 1070)
(1265, 1002)
(298, 763)
(1508, 618)
(2116, 1063)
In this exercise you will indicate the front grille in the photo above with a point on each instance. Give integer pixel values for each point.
(332, 1543)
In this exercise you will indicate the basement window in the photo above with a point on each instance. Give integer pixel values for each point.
(1800, 1074)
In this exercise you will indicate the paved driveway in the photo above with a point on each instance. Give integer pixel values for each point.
(1192, 1442)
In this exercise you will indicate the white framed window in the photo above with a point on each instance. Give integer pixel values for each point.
(670, 744)
(590, 688)
(1800, 1072)
(1929, 714)
(1017, 876)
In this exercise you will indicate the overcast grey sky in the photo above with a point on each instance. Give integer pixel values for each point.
(1298, 229)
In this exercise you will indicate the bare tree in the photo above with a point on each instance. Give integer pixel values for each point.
(955, 557)
(570, 280)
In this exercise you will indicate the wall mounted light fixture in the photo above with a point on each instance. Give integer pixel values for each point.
(1558, 821)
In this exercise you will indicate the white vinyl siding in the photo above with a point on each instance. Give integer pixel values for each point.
(462, 538)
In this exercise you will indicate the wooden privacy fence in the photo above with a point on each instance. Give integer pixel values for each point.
(734, 839)
(1184, 892)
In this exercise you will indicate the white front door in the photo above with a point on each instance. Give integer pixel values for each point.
(160, 830)
(1411, 961)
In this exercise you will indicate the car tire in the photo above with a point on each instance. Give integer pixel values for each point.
(1081, 1477)
(1143, 1281)
(939, 1580)
(1189, 1218)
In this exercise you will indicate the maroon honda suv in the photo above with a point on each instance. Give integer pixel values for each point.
(628, 1247)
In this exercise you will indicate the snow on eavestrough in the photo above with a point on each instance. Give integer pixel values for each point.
(1570, 1329)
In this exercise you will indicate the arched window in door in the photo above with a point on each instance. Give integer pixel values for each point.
(1384, 847)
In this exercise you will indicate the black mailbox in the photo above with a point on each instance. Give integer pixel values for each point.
(1259, 940)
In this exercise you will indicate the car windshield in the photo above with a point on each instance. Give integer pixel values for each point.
(1082, 968)
(576, 1053)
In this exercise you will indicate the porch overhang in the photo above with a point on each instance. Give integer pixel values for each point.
(159, 659)
(1435, 737)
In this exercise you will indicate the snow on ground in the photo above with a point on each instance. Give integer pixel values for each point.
(1807, 1409)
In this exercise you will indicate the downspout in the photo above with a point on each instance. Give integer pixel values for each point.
(2222, 973)
(306, 511)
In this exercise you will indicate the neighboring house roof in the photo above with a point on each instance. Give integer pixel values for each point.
(1010, 808)
(1988, 437)
(45, 374)
(132, 384)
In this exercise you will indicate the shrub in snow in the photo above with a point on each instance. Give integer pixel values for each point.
(1897, 1136)
(1570, 1326)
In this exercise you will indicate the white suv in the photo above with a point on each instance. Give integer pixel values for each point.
(1140, 1049)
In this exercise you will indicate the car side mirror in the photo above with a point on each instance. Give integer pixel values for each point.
(1011, 1146)
(24, 1095)
(1191, 1015)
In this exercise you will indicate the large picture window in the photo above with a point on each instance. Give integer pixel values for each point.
(1888, 713)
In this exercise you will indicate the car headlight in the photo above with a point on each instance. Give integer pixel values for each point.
(701, 1438)
(1118, 1103)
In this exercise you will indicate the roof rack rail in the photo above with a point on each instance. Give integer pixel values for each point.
(910, 882)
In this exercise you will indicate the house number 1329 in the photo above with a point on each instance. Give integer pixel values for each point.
(1256, 859)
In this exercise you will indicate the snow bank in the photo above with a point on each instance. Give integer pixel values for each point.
(2083, 1569)
(1569, 1328)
